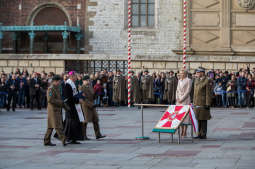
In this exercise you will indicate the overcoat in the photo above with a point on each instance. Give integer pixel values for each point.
(170, 89)
(119, 89)
(135, 90)
(147, 87)
(55, 104)
(87, 104)
(183, 91)
(202, 98)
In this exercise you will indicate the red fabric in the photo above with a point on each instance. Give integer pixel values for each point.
(98, 89)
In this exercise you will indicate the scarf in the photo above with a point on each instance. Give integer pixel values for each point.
(71, 83)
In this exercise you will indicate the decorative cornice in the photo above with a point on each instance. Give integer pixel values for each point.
(247, 4)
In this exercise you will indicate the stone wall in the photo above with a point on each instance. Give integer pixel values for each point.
(56, 62)
(108, 29)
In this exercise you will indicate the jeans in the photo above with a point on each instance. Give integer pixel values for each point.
(223, 96)
(241, 97)
(21, 98)
(3, 97)
(98, 101)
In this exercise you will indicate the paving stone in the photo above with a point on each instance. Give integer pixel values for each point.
(230, 143)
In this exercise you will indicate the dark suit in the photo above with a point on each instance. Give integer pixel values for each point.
(35, 93)
(12, 88)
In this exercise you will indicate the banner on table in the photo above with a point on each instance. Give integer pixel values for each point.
(173, 118)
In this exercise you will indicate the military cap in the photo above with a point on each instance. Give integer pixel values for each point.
(146, 70)
(200, 69)
(85, 77)
(56, 78)
(131, 71)
(118, 70)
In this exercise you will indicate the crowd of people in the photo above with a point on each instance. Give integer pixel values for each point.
(20, 89)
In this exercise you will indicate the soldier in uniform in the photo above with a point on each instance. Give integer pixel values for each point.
(147, 87)
(135, 89)
(118, 88)
(202, 101)
(170, 88)
(55, 104)
(89, 109)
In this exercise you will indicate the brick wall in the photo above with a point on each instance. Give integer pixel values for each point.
(11, 15)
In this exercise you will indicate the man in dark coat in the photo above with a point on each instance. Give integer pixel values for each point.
(89, 109)
(55, 104)
(72, 125)
(3, 91)
(202, 101)
(13, 87)
(34, 91)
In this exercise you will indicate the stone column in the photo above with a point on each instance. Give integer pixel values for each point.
(31, 42)
(14, 39)
(78, 37)
(65, 36)
(226, 25)
(1, 37)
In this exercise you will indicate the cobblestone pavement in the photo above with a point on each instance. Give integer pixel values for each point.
(230, 143)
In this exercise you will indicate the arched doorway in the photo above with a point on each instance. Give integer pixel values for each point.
(49, 14)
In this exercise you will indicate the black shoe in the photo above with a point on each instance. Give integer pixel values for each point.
(49, 144)
(74, 142)
(101, 136)
(13, 109)
(203, 137)
(198, 137)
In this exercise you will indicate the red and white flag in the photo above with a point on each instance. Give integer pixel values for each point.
(174, 116)
(193, 118)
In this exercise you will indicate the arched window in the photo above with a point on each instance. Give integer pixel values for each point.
(143, 13)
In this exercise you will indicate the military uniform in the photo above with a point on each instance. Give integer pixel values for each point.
(54, 108)
(170, 89)
(147, 88)
(135, 90)
(89, 110)
(119, 89)
(202, 101)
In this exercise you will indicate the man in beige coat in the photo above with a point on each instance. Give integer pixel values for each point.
(147, 87)
(183, 96)
(170, 88)
(119, 88)
(54, 108)
(89, 110)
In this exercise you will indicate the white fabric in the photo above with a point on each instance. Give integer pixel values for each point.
(71, 83)
(193, 119)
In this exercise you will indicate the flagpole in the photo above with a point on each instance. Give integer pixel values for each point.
(129, 50)
(184, 33)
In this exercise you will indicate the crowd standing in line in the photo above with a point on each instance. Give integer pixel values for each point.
(20, 89)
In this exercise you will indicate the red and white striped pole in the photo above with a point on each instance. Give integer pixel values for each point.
(129, 50)
(184, 32)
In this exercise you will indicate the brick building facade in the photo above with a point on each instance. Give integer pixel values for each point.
(221, 34)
